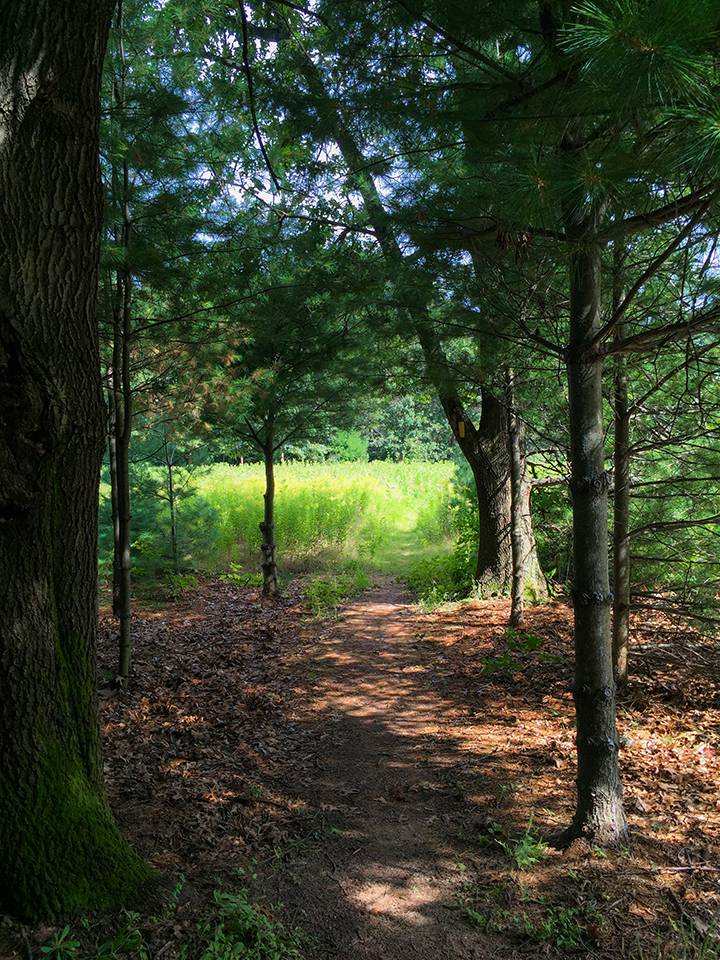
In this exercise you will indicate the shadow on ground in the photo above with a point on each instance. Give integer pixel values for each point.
(378, 775)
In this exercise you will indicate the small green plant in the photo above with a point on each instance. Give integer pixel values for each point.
(478, 918)
(567, 926)
(180, 582)
(506, 790)
(528, 849)
(129, 939)
(240, 929)
(239, 577)
(61, 948)
(324, 594)
(438, 580)
(172, 903)
(518, 644)
(503, 665)
(491, 834)
(522, 642)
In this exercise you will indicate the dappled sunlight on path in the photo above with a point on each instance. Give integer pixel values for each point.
(374, 773)
(390, 762)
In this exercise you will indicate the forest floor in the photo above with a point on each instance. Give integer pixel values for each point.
(382, 780)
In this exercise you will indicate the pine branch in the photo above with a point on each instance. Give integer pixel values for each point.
(459, 44)
(674, 480)
(251, 95)
(659, 384)
(662, 525)
(656, 218)
(663, 336)
(646, 275)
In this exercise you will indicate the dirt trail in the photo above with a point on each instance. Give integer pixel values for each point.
(377, 774)
(379, 887)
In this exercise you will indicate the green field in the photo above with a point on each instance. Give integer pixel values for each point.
(387, 516)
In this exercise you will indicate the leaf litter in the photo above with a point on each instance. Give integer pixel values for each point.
(384, 780)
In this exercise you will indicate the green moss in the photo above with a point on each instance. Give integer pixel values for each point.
(62, 852)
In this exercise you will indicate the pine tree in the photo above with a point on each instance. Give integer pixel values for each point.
(163, 169)
(292, 353)
(326, 118)
(61, 851)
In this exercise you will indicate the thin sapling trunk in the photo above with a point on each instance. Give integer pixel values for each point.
(267, 527)
(599, 812)
(621, 521)
(515, 453)
(122, 402)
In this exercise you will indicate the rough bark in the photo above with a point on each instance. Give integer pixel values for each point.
(599, 812)
(491, 469)
(61, 851)
(486, 450)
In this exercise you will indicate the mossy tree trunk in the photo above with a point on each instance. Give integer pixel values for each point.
(61, 850)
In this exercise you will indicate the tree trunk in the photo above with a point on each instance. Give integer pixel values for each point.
(487, 452)
(122, 399)
(267, 527)
(491, 469)
(515, 451)
(61, 851)
(122, 402)
(621, 503)
(621, 526)
(112, 457)
(171, 498)
(599, 813)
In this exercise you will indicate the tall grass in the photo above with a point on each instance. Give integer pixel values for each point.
(387, 516)
(327, 511)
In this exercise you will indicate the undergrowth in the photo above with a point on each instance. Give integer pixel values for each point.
(239, 929)
(235, 929)
(526, 851)
(519, 645)
(324, 594)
